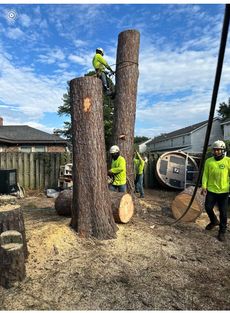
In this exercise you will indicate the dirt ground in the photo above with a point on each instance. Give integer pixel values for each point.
(152, 265)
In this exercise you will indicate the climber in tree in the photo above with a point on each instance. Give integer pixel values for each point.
(100, 64)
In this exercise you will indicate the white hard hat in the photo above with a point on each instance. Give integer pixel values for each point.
(219, 144)
(114, 149)
(100, 49)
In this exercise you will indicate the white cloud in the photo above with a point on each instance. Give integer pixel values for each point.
(52, 56)
(14, 33)
(33, 95)
(25, 20)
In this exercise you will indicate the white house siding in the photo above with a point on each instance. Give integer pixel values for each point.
(171, 143)
(198, 136)
(226, 131)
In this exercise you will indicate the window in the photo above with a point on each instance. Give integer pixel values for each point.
(39, 149)
(26, 149)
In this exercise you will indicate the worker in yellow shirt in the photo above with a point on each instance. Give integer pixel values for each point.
(215, 185)
(139, 164)
(117, 171)
(100, 64)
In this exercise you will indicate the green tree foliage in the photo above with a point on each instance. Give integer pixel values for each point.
(65, 110)
(224, 110)
(140, 139)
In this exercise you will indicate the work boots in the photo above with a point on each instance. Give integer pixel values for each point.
(221, 237)
(210, 226)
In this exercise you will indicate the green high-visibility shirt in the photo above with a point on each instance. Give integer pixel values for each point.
(118, 168)
(216, 175)
(139, 165)
(99, 63)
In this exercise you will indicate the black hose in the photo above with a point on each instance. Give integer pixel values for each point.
(223, 41)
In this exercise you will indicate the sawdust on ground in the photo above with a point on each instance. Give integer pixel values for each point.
(152, 265)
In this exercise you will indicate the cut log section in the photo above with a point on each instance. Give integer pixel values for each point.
(63, 203)
(12, 258)
(181, 202)
(122, 206)
(11, 218)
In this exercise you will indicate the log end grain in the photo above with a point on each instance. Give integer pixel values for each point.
(180, 204)
(122, 206)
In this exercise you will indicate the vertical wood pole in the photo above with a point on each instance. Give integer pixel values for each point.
(91, 209)
(126, 92)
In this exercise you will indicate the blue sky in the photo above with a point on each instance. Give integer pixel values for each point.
(42, 46)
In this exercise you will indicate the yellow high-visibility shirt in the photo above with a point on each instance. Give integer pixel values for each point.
(216, 175)
(118, 168)
(99, 63)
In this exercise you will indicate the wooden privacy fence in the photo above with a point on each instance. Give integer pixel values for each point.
(35, 170)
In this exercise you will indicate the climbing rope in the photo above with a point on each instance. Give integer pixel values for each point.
(223, 41)
(129, 64)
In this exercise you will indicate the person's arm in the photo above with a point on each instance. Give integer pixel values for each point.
(140, 158)
(103, 61)
(120, 168)
(204, 179)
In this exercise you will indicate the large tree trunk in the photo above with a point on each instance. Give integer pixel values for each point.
(11, 218)
(125, 100)
(91, 209)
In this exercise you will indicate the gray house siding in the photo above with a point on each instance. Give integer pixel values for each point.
(198, 136)
(191, 142)
(226, 129)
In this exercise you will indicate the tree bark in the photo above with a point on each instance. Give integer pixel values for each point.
(122, 206)
(11, 218)
(91, 209)
(12, 258)
(125, 101)
(63, 203)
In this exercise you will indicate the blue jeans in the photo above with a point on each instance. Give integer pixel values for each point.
(222, 201)
(139, 184)
(120, 188)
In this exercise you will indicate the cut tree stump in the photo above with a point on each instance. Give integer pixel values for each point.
(11, 218)
(181, 202)
(7, 199)
(12, 258)
(122, 206)
(63, 203)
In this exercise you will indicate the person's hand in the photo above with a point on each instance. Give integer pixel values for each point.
(204, 191)
(110, 174)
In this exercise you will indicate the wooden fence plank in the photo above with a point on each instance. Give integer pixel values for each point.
(35, 170)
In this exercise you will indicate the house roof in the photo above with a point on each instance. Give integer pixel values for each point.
(179, 132)
(226, 121)
(27, 134)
